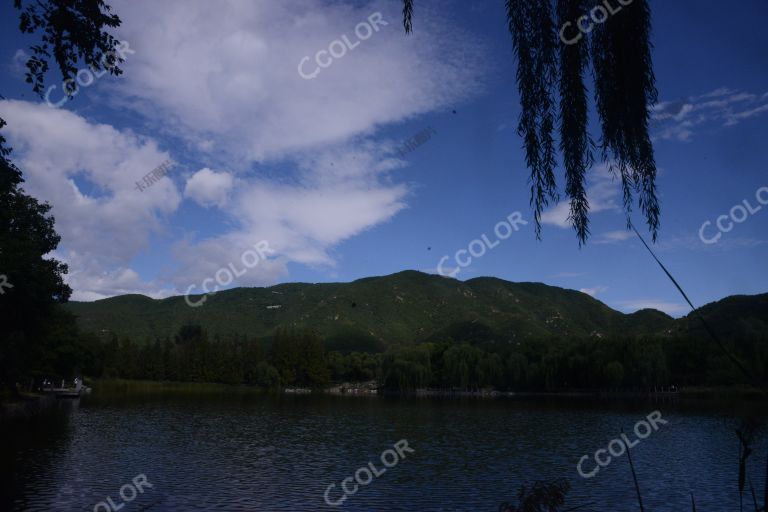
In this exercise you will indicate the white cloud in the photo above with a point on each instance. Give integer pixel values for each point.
(220, 84)
(209, 188)
(736, 118)
(19, 63)
(88, 172)
(602, 192)
(670, 308)
(91, 285)
(301, 221)
(558, 216)
(226, 73)
(594, 291)
(678, 120)
(614, 237)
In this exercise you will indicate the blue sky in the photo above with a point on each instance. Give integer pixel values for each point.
(311, 165)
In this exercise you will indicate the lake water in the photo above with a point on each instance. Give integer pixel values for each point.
(283, 453)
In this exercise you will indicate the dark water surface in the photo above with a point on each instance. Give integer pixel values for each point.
(282, 453)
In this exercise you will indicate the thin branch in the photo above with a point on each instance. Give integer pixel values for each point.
(634, 476)
(698, 314)
(408, 16)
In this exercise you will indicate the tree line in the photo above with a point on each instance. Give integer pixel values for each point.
(299, 358)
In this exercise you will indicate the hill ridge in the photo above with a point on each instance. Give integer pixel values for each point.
(400, 308)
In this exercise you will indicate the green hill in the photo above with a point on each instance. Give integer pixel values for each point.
(406, 307)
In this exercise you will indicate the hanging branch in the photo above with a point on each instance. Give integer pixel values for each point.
(70, 31)
(534, 40)
(624, 91)
(619, 49)
(575, 143)
(408, 16)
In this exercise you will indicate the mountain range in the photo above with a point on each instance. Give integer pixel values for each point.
(407, 307)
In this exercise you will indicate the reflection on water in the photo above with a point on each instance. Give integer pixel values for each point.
(281, 453)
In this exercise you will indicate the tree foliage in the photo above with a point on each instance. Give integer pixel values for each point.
(299, 358)
(548, 69)
(32, 283)
(70, 31)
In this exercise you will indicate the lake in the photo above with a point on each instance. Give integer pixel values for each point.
(282, 453)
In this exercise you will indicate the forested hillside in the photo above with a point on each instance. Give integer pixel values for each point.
(406, 307)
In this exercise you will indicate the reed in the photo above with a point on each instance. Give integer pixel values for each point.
(634, 476)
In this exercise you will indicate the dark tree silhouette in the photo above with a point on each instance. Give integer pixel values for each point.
(32, 284)
(72, 31)
(620, 54)
(539, 497)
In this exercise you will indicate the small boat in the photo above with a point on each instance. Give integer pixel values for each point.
(70, 392)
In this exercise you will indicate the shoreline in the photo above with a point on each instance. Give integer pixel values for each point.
(32, 405)
(359, 389)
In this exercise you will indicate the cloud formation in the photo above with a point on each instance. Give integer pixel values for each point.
(670, 308)
(227, 72)
(723, 107)
(209, 188)
(88, 172)
(298, 163)
(594, 291)
(614, 237)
